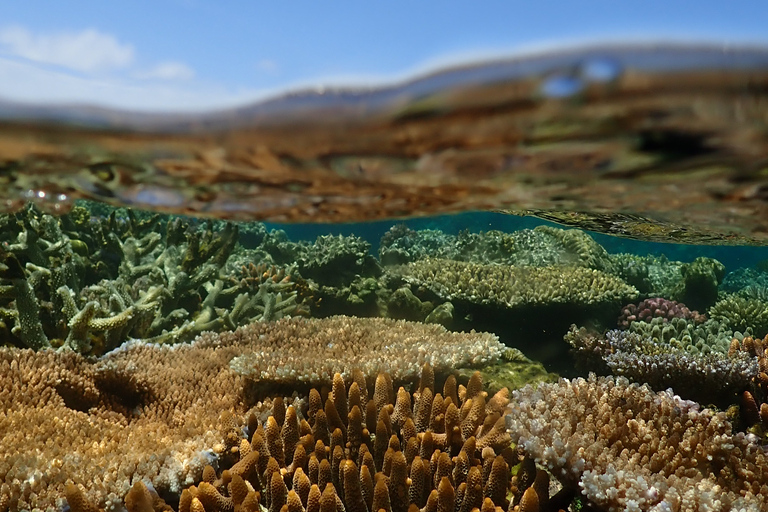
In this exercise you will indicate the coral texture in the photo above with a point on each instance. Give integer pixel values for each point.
(742, 313)
(508, 286)
(389, 450)
(711, 377)
(628, 448)
(152, 412)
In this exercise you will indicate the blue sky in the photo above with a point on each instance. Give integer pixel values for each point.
(202, 54)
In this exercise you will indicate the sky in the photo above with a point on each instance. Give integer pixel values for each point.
(193, 55)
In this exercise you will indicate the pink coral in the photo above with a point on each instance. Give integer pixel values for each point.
(657, 308)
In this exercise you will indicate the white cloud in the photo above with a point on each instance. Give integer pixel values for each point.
(28, 82)
(168, 71)
(88, 50)
(267, 66)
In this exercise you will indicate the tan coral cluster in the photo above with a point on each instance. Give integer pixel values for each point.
(512, 286)
(628, 448)
(392, 451)
(754, 402)
(312, 351)
(152, 412)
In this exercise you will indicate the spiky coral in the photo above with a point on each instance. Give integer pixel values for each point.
(742, 313)
(389, 450)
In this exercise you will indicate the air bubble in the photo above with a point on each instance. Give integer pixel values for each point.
(561, 86)
(600, 70)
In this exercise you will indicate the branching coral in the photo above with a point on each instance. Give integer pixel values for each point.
(742, 313)
(628, 448)
(391, 450)
(712, 377)
(143, 278)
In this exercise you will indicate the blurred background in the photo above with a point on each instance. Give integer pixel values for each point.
(188, 55)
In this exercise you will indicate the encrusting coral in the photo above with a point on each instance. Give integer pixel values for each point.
(152, 412)
(391, 450)
(629, 449)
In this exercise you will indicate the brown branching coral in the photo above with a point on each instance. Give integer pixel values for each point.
(628, 448)
(461, 462)
(162, 413)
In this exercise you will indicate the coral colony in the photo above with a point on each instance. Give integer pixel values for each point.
(156, 363)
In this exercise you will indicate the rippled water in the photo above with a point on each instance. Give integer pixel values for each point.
(653, 142)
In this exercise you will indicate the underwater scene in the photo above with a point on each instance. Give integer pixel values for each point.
(528, 286)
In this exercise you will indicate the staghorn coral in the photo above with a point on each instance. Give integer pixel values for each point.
(510, 287)
(628, 448)
(160, 413)
(712, 377)
(657, 308)
(418, 450)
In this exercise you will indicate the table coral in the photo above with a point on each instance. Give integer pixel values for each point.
(627, 448)
(153, 412)
(510, 286)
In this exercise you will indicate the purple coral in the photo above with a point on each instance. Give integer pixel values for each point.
(657, 308)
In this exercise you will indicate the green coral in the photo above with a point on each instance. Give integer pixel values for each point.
(742, 313)
(511, 287)
(512, 371)
(404, 305)
(698, 288)
(442, 315)
(696, 338)
(540, 247)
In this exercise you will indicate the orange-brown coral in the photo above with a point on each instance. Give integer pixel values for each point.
(463, 466)
(162, 413)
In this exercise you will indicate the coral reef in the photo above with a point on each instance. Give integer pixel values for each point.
(391, 450)
(698, 288)
(140, 279)
(657, 308)
(511, 287)
(540, 247)
(627, 448)
(153, 412)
